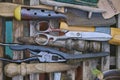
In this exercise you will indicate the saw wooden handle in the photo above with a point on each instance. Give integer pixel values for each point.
(7, 9)
(115, 32)
(65, 26)
(23, 69)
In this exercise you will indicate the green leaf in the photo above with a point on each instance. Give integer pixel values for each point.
(96, 72)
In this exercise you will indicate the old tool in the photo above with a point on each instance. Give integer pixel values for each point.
(62, 4)
(36, 14)
(94, 36)
(41, 57)
(74, 16)
(23, 69)
(114, 32)
(46, 54)
(7, 9)
(64, 56)
(79, 45)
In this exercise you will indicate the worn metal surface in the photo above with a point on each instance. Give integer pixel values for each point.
(40, 14)
(77, 17)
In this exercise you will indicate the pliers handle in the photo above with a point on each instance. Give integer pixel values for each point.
(63, 55)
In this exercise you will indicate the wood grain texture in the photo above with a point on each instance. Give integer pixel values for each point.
(25, 69)
(17, 31)
(88, 65)
(33, 2)
(55, 24)
(105, 61)
(100, 63)
(118, 48)
(1, 50)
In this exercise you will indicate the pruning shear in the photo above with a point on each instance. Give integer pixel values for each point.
(94, 36)
(46, 54)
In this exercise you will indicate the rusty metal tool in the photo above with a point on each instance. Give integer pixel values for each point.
(94, 36)
(23, 13)
(46, 54)
(114, 32)
(64, 56)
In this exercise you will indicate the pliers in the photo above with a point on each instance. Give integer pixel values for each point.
(47, 54)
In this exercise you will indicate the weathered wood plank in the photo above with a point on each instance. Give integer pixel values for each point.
(89, 65)
(33, 2)
(55, 24)
(105, 61)
(112, 60)
(118, 48)
(17, 31)
(1, 50)
(79, 73)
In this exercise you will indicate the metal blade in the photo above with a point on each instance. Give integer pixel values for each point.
(95, 36)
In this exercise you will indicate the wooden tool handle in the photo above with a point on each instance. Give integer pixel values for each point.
(115, 32)
(65, 26)
(23, 69)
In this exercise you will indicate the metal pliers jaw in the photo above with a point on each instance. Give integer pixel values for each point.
(48, 57)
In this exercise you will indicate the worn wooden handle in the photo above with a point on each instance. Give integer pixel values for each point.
(7, 9)
(115, 32)
(65, 26)
(23, 69)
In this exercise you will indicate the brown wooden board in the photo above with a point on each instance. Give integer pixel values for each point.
(33, 2)
(1, 49)
(17, 32)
